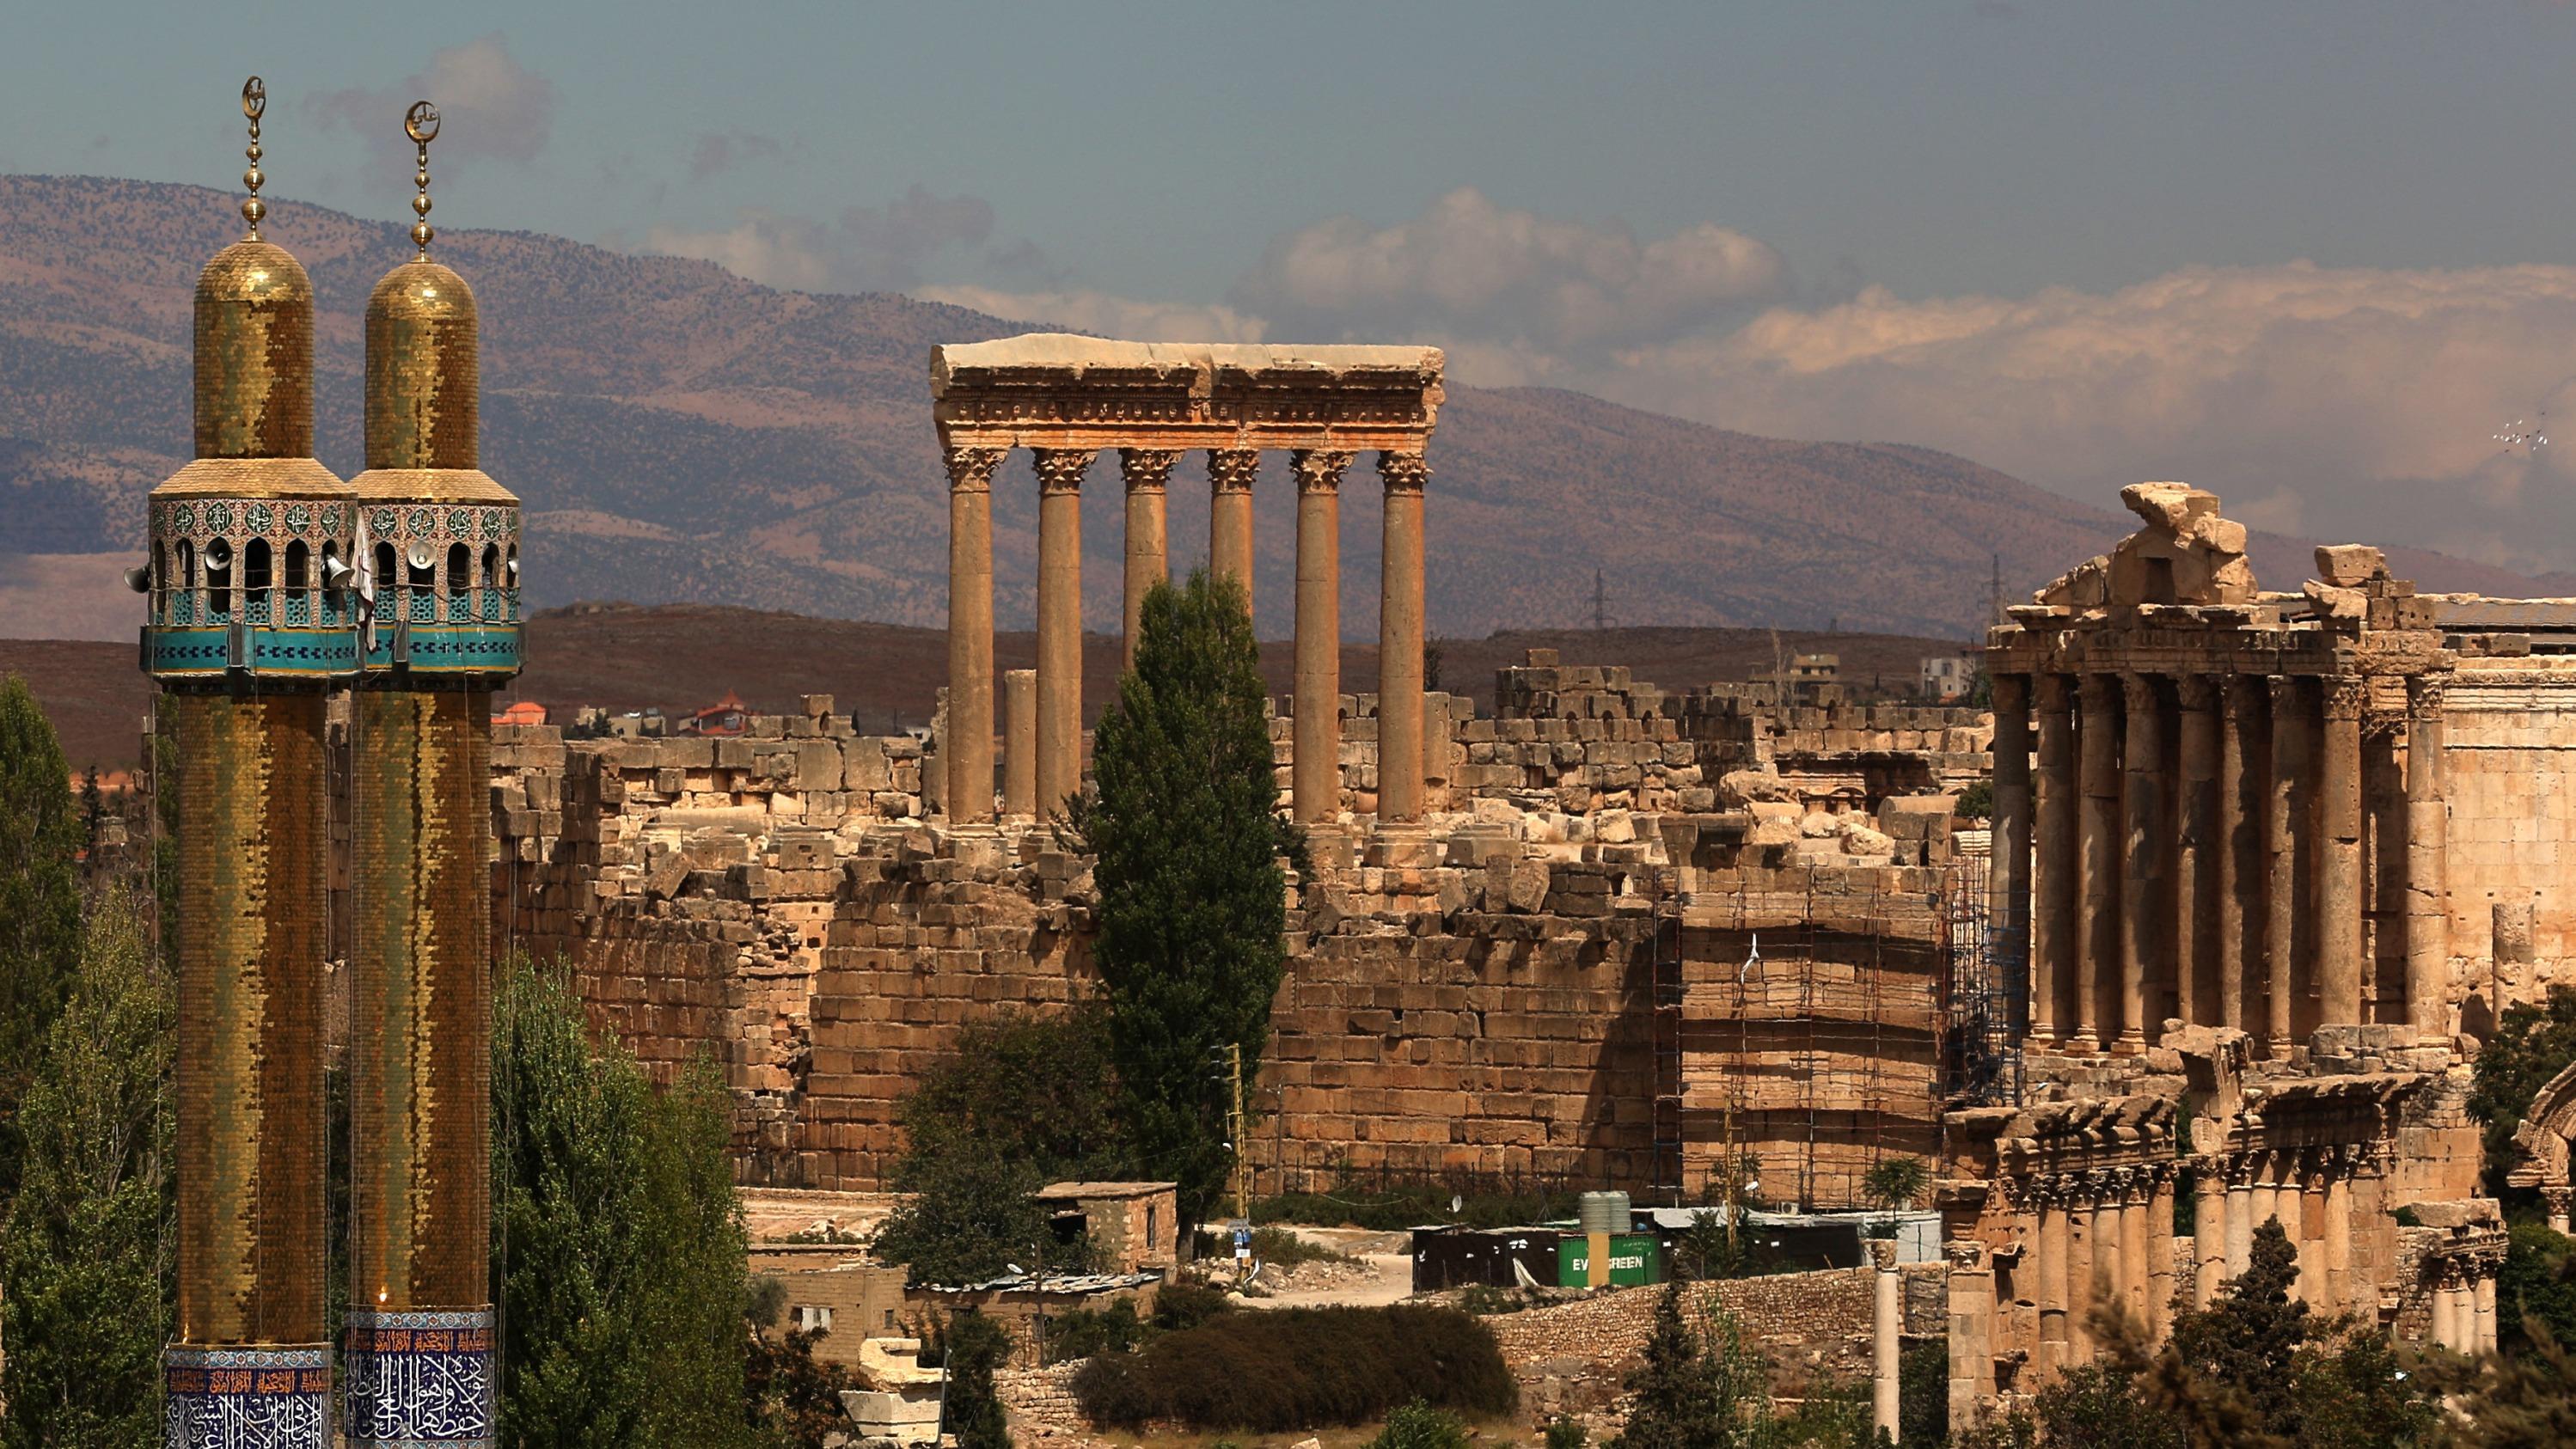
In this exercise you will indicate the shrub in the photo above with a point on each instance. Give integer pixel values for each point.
(1087, 1331)
(1484, 1300)
(1187, 1303)
(1417, 1425)
(972, 1347)
(1281, 1248)
(1566, 1433)
(1300, 1368)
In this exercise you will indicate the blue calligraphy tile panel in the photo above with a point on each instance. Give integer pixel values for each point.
(246, 1398)
(420, 1380)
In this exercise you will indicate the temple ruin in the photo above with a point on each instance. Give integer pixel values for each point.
(1067, 399)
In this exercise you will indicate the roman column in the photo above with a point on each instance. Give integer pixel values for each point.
(2208, 1230)
(2238, 853)
(1399, 631)
(1971, 1284)
(2099, 1261)
(2195, 880)
(2008, 902)
(2241, 1170)
(1316, 778)
(1887, 1337)
(2560, 1202)
(2482, 1299)
(1020, 742)
(1230, 475)
(2338, 902)
(2142, 856)
(2338, 1231)
(2281, 935)
(1059, 629)
(2156, 1231)
(966, 745)
(2446, 1322)
(2054, 1266)
(2121, 1261)
(2098, 939)
(2053, 862)
(2428, 828)
(1146, 471)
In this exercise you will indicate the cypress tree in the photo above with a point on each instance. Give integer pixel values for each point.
(1682, 1400)
(1183, 817)
(40, 899)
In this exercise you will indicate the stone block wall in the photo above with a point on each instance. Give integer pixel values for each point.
(2509, 764)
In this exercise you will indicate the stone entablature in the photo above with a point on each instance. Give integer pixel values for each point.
(1056, 390)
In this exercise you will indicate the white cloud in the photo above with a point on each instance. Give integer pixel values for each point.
(488, 105)
(1109, 316)
(870, 249)
(2345, 400)
(1469, 270)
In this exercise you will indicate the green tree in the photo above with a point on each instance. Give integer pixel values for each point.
(2531, 1044)
(40, 899)
(622, 1276)
(2521, 1401)
(791, 1397)
(1683, 1399)
(87, 1274)
(2536, 1282)
(1192, 914)
(1021, 1101)
(1418, 1425)
(973, 1346)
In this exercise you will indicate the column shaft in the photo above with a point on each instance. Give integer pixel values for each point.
(1020, 742)
(2083, 1242)
(2098, 937)
(2446, 1322)
(1316, 775)
(2008, 903)
(1146, 471)
(2136, 1264)
(2055, 1296)
(1059, 628)
(2240, 1218)
(2428, 827)
(1400, 742)
(1230, 475)
(966, 742)
(1886, 1340)
(2146, 928)
(2338, 1237)
(2209, 1232)
(2338, 901)
(2158, 1234)
(2239, 845)
(2110, 1257)
(2283, 897)
(2482, 1296)
(2053, 863)
(2196, 856)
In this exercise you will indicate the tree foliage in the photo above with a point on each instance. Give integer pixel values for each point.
(623, 1281)
(1021, 1101)
(40, 899)
(1184, 822)
(974, 1346)
(2532, 1043)
(2537, 1283)
(86, 1260)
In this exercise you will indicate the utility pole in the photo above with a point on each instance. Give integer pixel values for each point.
(1234, 1125)
(1600, 604)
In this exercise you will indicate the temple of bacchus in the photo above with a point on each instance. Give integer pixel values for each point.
(2264, 868)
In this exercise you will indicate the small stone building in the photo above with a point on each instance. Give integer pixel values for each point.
(1131, 1224)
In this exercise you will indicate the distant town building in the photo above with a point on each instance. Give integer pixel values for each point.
(727, 716)
(524, 712)
(1948, 677)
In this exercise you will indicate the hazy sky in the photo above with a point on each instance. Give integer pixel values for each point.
(2309, 254)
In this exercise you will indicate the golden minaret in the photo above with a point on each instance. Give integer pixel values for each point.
(442, 545)
(245, 633)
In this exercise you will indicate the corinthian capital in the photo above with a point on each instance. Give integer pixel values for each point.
(1147, 469)
(2344, 696)
(2424, 695)
(1319, 470)
(970, 470)
(1060, 469)
(2197, 692)
(1231, 470)
(1403, 472)
(2140, 693)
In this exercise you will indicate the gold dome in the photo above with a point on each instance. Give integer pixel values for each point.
(254, 342)
(423, 391)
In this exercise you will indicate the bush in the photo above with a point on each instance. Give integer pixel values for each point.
(1187, 1303)
(1300, 1368)
(1283, 1249)
(1485, 1300)
(1417, 1425)
(1088, 1331)
(1566, 1433)
(972, 1347)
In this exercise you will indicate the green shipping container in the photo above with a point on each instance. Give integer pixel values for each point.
(1633, 1259)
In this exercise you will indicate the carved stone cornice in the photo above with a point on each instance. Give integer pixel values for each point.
(1060, 469)
(1319, 470)
(1231, 470)
(970, 470)
(1146, 470)
(1403, 472)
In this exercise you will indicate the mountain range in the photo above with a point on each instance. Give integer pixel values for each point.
(681, 435)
